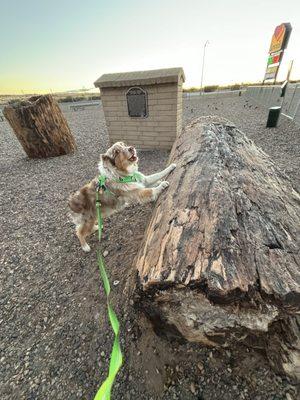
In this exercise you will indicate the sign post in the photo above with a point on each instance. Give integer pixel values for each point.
(289, 70)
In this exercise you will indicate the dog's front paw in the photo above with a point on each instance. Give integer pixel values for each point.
(163, 185)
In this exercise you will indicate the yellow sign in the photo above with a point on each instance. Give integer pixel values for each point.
(279, 37)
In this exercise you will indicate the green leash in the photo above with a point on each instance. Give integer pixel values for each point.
(116, 358)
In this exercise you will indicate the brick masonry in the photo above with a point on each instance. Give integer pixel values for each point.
(159, 129)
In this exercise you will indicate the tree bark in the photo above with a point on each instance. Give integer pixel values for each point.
(40, 127)
(220, 259)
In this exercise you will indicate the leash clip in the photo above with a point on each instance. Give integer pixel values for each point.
(100, 187)
(101, 184)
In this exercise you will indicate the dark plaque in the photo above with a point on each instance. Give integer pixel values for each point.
(137, 102)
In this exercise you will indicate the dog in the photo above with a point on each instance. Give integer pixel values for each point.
(119, 162)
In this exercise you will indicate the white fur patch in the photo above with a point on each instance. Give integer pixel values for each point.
(86, 248)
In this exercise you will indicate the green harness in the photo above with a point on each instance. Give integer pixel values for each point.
(135, 177)
(116, 358)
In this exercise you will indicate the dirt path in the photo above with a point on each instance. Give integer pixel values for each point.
(55, 339)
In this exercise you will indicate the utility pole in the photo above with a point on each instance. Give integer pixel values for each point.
(204, 47)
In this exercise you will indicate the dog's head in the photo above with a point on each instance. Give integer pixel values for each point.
(123, 158)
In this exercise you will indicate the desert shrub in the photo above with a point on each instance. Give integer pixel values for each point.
(66, 99)
(193, 89)
(211, 88)
(69, 99)
(236, 86)
(13, 101)
(97, 97)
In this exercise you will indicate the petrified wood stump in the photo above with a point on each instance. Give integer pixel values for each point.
(40, 127)
(220, 259)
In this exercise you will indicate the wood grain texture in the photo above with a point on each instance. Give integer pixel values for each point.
(229, 222)
(40, 127)
(219, 262)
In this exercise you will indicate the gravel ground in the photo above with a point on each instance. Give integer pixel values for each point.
(55, 338)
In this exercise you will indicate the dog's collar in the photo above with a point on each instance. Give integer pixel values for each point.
(135, 177)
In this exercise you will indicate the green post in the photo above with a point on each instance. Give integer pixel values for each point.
(274, 113)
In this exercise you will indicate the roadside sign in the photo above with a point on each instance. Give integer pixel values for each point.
(279, 42)
(280, 37)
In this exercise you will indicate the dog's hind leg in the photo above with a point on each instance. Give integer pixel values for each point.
(95, 228)
(82, 231)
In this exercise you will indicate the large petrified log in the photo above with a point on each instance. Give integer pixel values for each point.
(220, 259)
(40, 127)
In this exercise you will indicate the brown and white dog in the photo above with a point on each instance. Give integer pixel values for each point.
(119, 161)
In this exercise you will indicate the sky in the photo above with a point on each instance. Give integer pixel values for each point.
(58, 45)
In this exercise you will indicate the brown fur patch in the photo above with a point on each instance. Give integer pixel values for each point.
(145, 194)
(85, 230)
(122, 162)
(84, 199)
(107, 158)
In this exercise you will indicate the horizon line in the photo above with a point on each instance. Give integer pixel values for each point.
(86, 90)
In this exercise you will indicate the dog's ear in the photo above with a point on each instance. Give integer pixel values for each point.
(116, 152)
(107, 158)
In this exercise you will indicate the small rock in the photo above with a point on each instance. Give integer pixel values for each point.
(116, 282)
(105, 253)
(200, 366)
(193, 389)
